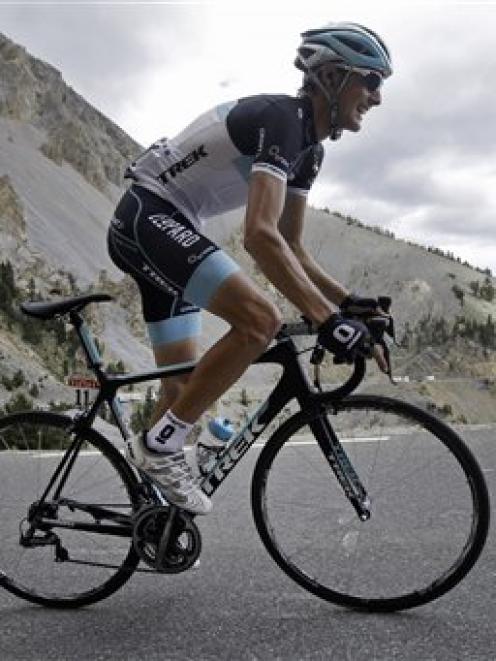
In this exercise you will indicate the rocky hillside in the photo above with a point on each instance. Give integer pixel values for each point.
(34, 93)
(61, 165)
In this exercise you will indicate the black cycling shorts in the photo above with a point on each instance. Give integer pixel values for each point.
(176, 267)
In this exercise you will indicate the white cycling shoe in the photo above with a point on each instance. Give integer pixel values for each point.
(172, 475)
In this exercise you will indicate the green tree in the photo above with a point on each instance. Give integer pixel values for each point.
(142, 413)
(19, 402)
(72, 283)
(487, 290)
(8, 290)
(474, 286)
(31, 289)
(58, 329)
(459, 293)
(18, 379)
(30, 331)
(116, 368)
(34, 391)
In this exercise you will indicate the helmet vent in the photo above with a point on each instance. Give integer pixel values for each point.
(355, 46)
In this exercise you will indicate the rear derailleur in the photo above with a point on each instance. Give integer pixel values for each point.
(33, 533)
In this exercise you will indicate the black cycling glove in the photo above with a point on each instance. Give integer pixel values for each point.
(342, 337)
(358, 306)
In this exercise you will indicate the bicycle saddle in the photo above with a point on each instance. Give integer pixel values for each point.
(49, 309)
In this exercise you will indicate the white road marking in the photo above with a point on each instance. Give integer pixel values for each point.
(358, 439)
(50, 454)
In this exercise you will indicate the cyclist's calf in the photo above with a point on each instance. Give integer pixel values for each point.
(172, 387)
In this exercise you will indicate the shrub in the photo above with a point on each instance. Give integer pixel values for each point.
(19, 402)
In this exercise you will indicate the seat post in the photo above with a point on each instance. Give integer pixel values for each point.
(91, 351)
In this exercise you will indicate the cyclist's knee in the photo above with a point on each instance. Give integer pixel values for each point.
(239, 302)
(263, 325)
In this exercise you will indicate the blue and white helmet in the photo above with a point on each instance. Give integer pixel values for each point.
(349, 45)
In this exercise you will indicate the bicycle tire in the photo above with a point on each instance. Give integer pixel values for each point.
(424, 547)
(32, 444)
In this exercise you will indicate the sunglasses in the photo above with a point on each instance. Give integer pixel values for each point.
(371, 79)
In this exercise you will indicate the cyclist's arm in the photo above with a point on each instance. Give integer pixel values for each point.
(291, 228)
(269, 249)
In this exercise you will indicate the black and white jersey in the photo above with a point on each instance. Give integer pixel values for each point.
(204, 170)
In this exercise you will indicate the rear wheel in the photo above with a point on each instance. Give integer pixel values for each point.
(429, 507)
(43, 558)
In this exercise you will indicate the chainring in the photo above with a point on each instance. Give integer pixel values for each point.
(166, 539)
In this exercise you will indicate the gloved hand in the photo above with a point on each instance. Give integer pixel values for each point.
(359, 306)
(342, 337)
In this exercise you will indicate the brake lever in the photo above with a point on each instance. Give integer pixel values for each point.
(377, 326)
(385, 303)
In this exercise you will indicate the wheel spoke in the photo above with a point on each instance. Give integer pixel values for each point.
(425, 511)
(100, 481)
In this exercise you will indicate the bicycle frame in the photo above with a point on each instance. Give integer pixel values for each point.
(293, 384)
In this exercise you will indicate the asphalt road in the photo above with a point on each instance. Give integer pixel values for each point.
(239, 605)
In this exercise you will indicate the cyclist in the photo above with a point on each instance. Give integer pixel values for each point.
(263, 151)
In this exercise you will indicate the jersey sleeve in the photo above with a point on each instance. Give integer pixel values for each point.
(306, 169)
(279, 142)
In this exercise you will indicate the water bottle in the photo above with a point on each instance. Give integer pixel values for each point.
(211, 443)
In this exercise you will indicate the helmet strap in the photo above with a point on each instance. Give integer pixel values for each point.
(336, 132)
(333, 99)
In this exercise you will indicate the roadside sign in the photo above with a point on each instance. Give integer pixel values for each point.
(82, 382)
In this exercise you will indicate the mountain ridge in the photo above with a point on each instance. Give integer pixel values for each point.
(34, 92)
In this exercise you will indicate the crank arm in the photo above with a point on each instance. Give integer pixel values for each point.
(166, 537)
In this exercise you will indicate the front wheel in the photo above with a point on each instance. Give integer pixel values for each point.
(58, 553)
(429, 506)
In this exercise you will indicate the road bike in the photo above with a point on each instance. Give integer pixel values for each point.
(365, 501)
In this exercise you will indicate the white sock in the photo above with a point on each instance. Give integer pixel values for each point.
(168, 434)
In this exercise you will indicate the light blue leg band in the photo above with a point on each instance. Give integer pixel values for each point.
(174, 329)
(208, 277)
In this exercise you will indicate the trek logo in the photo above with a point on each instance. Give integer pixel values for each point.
(156, 278)
(175, 230)
(227, 461)
(185, 163)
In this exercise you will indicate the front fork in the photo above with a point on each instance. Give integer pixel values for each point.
(341, 465)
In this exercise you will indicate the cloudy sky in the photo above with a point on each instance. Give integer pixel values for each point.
(424, 163)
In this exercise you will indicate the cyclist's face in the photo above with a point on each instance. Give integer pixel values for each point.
(354, 101)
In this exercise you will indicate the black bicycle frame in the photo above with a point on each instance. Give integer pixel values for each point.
(293, 384)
